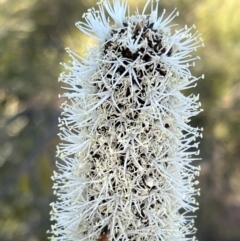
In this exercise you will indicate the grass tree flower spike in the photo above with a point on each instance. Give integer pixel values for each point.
(125, 165)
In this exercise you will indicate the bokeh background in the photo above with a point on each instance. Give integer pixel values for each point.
(33, 35)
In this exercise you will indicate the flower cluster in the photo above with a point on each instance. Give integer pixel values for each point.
(125, 165)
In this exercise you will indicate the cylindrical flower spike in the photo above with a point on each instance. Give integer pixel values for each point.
(125, 170)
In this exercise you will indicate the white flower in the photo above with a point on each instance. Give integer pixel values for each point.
(125, 168)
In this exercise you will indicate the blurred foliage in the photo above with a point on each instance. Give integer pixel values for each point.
(33, 35)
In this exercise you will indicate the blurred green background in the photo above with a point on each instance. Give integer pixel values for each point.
(33, 35)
